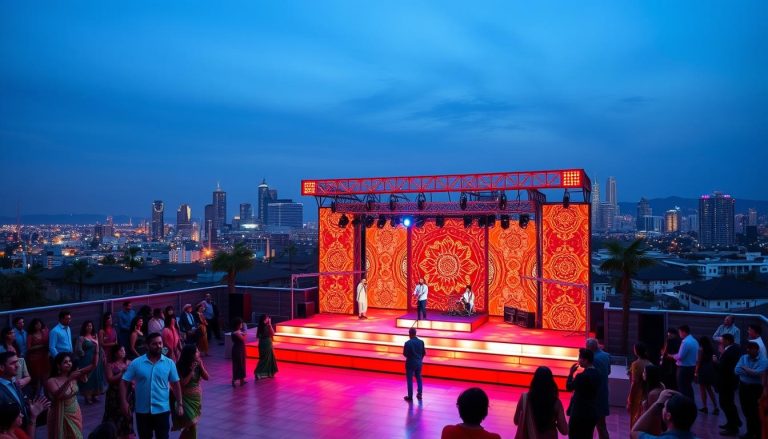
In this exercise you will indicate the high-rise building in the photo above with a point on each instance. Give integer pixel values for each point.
(157, 231)
(692, 223)
(595, 205)
(286, 213)
(246, 213)
(264, 199)
(607, 217)
(209, 230)
(672, 220)
(610, 192)
(195, 232)
(716, 220)
(643, 210)
(219, 209)
(752, 214)
(184, 221)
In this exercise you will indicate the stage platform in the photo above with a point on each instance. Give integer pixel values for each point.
(496, 352)
(443, 322)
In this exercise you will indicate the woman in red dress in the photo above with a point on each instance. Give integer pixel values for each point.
(38, 364)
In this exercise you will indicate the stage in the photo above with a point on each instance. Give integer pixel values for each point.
(443, 321)
(495, 352)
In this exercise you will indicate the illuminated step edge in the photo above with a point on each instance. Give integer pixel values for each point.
(439, 325)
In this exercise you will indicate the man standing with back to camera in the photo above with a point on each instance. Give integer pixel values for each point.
(414, 353)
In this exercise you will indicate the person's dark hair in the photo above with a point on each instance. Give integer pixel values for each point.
(3, 339)
(542, 395)
(113, 352)
(682, 411)
(16, 320)
(187, 357)
(5, 356)
(684, 328)
(412, 332)
(641, 349)
(104, 318)
(169, 320)
(85, 324)
(169, 310)
(9, 412)
(31, 326)
(157, 313)
(755, 327)
(587, 355)
(105, 430)
(753, 344)
(64, 313)
(236, 323)
(152, 336)
(135, 322)
(59, 360)
(126, 303)
(706, 347)
(473, 405)
(729, 338)
(672, 331)
(653, 378)
(262, 328)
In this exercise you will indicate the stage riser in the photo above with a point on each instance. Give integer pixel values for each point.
(432, 351)
(441, 325)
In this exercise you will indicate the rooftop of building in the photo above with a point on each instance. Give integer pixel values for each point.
(725, 288)
(662, 272)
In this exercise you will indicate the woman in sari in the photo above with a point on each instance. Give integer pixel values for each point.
(65, 420)
(112, 411)
(171, 338)
(191, 369)
(637, 384)
(267, 365)
(238, 352)
(37, 354)
(107, 335)
(202, 328)
(87, 347)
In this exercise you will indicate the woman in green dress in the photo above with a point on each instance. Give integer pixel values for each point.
(267, 365)
(86, 348)
(191, 369)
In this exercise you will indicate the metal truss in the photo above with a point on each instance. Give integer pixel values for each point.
(502, 181)
(431, 209)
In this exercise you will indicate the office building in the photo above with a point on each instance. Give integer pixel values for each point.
(716, 220)
(643, 210)
(595, 205)
(184, 222)
(672, 220)
(209, 231)
(285, 213)
(219, 209)
(264, 199)
(157, 230)
(246, 213)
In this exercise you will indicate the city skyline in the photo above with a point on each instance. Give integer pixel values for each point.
(106, 109)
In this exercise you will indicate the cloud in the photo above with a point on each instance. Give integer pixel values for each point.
(478, 112)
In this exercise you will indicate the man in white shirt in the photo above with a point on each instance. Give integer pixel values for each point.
(362, 298)
(755, 333)
(468, 299)
(421, 293)
(727, 328)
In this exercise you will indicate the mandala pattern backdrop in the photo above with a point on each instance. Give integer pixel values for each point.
(337, 253)
(565, 248)
(511, 255)
(386, 265)
(449, 258)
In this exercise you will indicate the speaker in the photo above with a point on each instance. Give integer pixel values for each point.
(509, 314)
(525, 319)
(305, 310)
(240, 306)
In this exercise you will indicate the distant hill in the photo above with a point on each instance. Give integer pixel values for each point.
(690, 205)
(80, 218)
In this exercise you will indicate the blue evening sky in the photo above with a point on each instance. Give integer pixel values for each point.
(106, 106)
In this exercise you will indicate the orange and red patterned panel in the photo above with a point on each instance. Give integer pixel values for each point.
(449, 258)
(386, 264)
(337, 253)
(565, 257)
(511, 255)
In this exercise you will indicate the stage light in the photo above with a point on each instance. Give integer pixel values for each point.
(356, 220)
(491, 220)
(505, 222)
(502, 201)
(369, 220)
(421, 201)
(381, 222)
(395, 221)
(369, 202)
(467, 221)
(566, 199)
(420, 221)
(523, 220)
(463, 201)
(343, 221)
(392, 202)
(440, 221)
(481, 221)
(333, 206)
(407, 221)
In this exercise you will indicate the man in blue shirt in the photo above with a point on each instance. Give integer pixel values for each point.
(414, 353)
(685, 359)
(152, 373)
(750, 369)
(21, 336)
(672, 409)
(124, 318)
(602, 364)
(60, 337)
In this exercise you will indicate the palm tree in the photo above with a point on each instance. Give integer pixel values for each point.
(21, 289)
(78, 272)
(623, 264)
(239, 259)
(131, 258)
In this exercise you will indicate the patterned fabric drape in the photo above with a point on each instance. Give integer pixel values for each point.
(337, 253)
(511, 254)
(386, 262)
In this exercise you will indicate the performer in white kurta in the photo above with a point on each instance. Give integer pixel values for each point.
(420, 292)
(468, 299)
(362, 298)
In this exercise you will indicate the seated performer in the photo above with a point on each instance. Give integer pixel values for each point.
(468, 299)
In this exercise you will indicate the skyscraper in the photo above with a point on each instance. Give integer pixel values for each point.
(752, 213)
(246, 213)
(595, 204)
(716, 220)
(672, 220)
(157, 231)
(265, 197)
(184, 221)
(643, 210)
(209, 231)
(219, 209)
(610, 192)
(286, 213)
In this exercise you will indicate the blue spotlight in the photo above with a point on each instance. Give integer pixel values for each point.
(407, 221)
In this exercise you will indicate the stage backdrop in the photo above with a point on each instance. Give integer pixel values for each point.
(565, 257)
(386, 265)
(448, 258)
(337, 253)
(511, 254)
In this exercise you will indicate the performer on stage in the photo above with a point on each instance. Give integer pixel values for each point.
(421, 292)
(362, 298)
(468, 299)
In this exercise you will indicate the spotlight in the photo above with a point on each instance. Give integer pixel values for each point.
(407, 221)
(333, 206)
(502, 201)
(343, 221)
(463, 201)
(481, 221)
(491, 220)
(523, 220)
(505, 222)
(369, 203)
(421, 201)
(369, 220)
(395, 221)
(420, 221)
(381, 222)
(356, 220)
(392, 202)
(566, 199)
(467, 221)
(440, 221)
